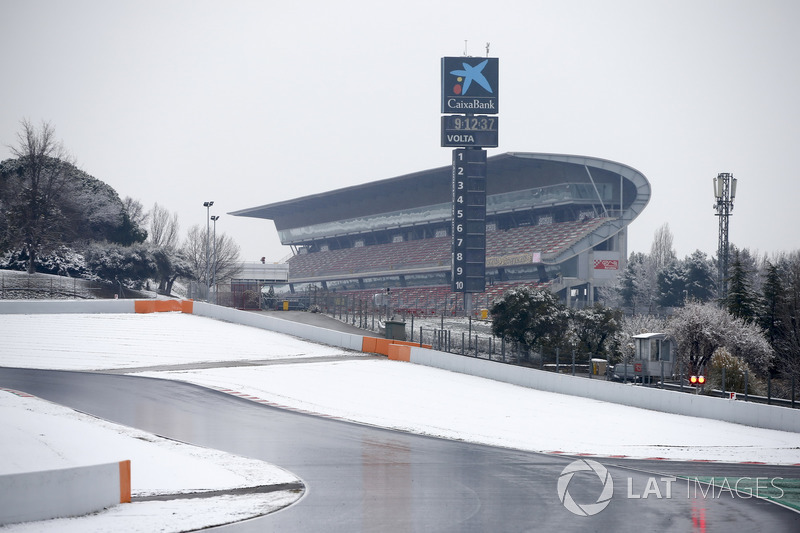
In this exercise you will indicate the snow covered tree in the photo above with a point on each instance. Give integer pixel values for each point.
(672, 281)
(780, 314)
(701, 328)
(741, 301)
(227, 260)
(532, 317)
(735, 372)
(47, 204)
(131, 230)
(771, 302)
(595, 329)
(699, 277)
(636, 325)
(638, 284)
(690, 278)
(164, 228)
(627, 282)
(135, 212)
(170, 265)
(662, 252)
(171, 262)
(34, 192)
(131, 266)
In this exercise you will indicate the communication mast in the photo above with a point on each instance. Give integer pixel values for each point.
(724, 192)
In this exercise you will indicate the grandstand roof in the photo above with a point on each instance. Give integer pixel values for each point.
(506, 172)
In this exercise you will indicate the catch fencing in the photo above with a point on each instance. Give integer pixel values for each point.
(22, 286)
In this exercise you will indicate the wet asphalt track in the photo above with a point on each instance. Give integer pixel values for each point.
(360, 478)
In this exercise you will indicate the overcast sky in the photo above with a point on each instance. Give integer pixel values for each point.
(249, 103)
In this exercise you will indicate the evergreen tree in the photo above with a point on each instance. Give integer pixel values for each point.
(690, 278)
(771, 303)
(638, 284)
(741, 301)
(672, 280)
(699, 277)
(627, 283)
(533, 317)
(595, 329)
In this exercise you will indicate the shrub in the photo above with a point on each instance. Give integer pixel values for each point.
(735, 371)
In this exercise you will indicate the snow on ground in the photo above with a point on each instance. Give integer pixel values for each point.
(380, 392)
(458, 406)
(39, 435)
(113, 341)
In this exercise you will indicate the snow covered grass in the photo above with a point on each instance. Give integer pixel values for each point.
(38, 434)
(457, 406)
(110, 341)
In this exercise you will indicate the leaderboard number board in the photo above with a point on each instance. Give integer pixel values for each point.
(469, 220)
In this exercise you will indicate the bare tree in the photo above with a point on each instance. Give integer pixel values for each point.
(164, 228)
(36, 217)
(135, 211)
(223, 255)
(662, 252)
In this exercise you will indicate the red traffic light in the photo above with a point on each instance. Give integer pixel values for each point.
(697, 380)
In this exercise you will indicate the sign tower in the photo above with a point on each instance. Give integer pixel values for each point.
(469, 124)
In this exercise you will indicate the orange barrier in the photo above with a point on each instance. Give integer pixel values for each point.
(368, 345)
(399, 352)
(163, 306)
(382, 346)
(125, 481)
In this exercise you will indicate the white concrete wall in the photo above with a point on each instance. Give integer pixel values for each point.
(304, 331)
(739, 412)
(347, 341)
(29, 307)
(60, 493)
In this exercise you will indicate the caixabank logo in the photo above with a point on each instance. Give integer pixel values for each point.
(469, 85)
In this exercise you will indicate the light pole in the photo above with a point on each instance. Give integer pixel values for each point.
(214, 275)
(207, 205)
(724, 192)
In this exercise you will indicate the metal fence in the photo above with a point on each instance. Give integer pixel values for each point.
(18, 286)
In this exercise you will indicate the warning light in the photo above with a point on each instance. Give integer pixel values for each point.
(697, 380)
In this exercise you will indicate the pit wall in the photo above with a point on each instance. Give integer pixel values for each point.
(739, 412)
(62, 493)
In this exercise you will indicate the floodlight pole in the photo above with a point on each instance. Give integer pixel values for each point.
(214, 275)
(207, 205)
(724, 192)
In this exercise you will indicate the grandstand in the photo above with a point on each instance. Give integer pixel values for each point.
(553, 220)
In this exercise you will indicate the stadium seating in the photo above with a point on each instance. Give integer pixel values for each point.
(435, 252)
(427, 301)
